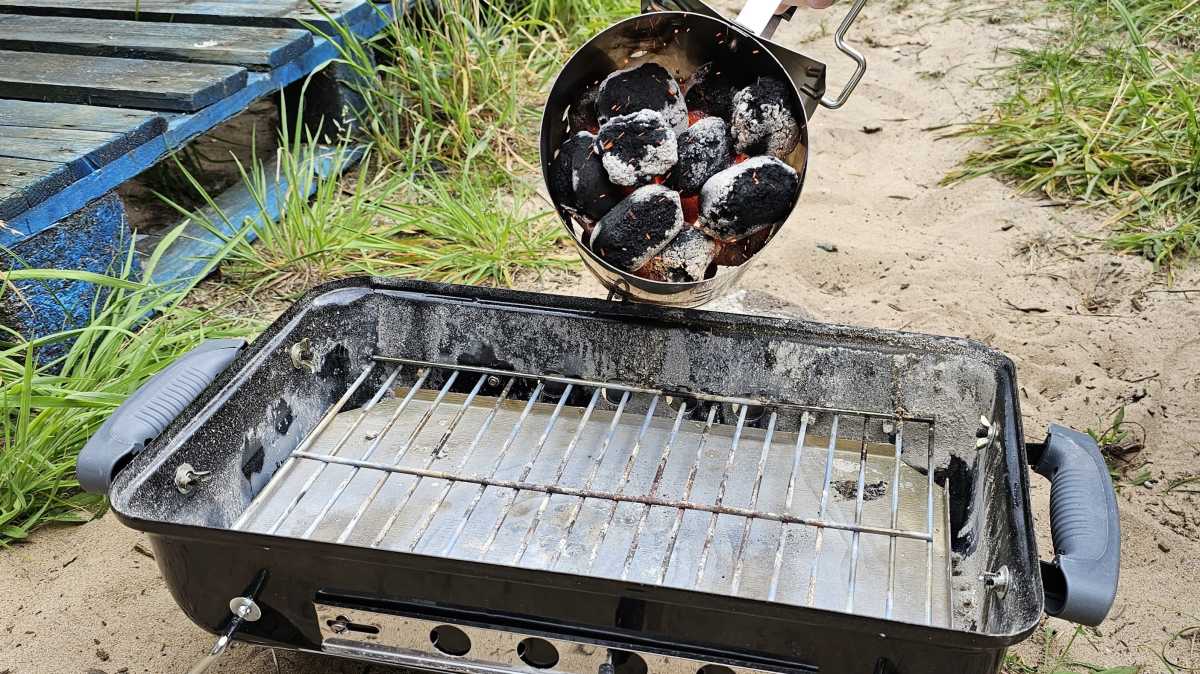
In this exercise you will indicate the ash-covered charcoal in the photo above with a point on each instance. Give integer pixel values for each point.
(763, 120)
(635, 149)
(582, 116)
(705, 149)
(645, 87)
(578, 180)
(710, 92)
(747, 197)
(739, 252)
(638, 228)
(685, 259)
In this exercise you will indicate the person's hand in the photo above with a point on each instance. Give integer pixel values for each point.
(785, 5)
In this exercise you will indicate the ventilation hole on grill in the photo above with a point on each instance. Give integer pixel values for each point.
(714, 669)
(450, 640)
(537, 653)
(625, 662)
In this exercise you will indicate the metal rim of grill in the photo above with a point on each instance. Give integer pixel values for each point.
(252, 519)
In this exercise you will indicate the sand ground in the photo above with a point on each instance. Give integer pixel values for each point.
(1090, 331)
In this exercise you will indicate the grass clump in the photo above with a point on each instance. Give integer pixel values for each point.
(453, 92)
(1056, 660)
(48, 411)
(1104, 113)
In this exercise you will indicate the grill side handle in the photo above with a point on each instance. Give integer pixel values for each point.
(1080, 584)
(145, 414)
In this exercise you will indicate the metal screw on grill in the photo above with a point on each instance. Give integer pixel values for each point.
(187, 477)
(493, 380)
(302, 356)
(997, 581)
(986, 433)
(338, 626)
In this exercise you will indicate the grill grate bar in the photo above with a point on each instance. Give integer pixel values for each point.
(614, 386)
(386, 386)
(712, 521)
(929, 530)
(754, 493)
(420, 425)
(290, 462)
(562, 467)
(891, 590)
(462, 463)
(858, 513)
(622, 498)
(812, 579)
(587, 485)
(511, 497)
(797, 455)
(625, 475)
(687, 493)
(653, 493)
(533, 398)
(949, 564)
(462, 411)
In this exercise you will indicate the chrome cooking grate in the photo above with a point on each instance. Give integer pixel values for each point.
(790, 504)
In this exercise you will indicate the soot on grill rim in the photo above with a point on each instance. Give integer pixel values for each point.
(712, 148)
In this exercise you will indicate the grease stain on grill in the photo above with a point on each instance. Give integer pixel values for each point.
(848, 489)
(281, 415)
(253, 455)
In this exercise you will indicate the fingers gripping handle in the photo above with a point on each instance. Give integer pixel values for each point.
(146, 413)
(1081, 583)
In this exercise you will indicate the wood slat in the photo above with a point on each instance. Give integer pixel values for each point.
(269, 13)
(134, 83)
(258, 48)
(97, 148)
(26, 182)
(87, 117)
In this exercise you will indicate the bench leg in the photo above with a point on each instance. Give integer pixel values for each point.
(96, 238)
(331, 102)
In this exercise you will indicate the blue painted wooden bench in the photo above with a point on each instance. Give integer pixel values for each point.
(93, 93)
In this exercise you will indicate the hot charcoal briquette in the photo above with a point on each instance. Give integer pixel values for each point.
(635, 149)
(638, 228)
(645, 87)
(747, 197)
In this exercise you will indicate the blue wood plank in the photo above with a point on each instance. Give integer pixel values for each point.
(86, 117)
(182, 128)
(130, 83)
(96, 239)
(24, 183)
(271, 13)
(253, 47)
(93, 148)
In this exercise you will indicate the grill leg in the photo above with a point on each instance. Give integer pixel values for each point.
(244, 610)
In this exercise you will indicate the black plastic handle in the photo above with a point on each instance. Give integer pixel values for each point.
(1081, 583)
(146, 413)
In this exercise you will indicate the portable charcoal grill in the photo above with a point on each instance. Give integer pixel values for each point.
(496, 482)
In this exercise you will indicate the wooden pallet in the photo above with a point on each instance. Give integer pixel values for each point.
(93, 93)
